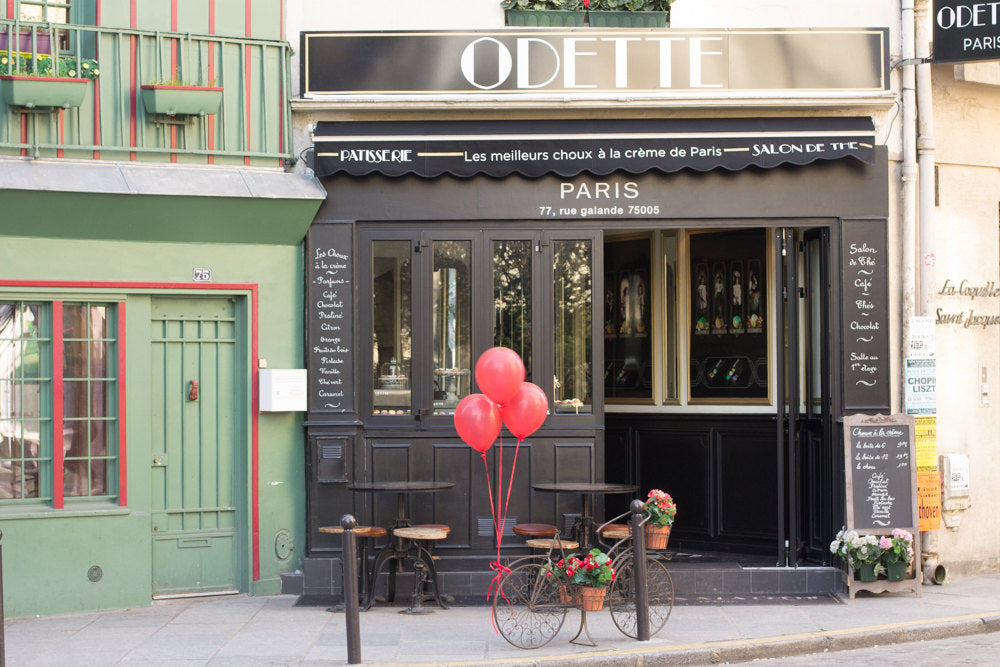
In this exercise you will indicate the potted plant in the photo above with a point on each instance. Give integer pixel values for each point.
(174, 97)
(44, 81)
(629, 13)
(861, 552)
(545, 13)
(897, 553)
(592, 573)
(556, 573)
(662, 510)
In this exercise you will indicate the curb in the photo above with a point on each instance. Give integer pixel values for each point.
(779, 646)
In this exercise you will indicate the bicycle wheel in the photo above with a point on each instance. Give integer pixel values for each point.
(660, 591)
(528, 614)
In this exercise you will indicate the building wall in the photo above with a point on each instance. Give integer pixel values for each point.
(46, 552)
(964, 240)
(965, 243)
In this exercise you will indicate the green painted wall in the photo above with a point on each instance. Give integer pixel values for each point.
(192, 16)
(47, 553)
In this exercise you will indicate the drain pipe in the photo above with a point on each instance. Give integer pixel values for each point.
(934, 571)
(909, 167)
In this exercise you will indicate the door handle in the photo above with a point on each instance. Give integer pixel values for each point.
(193, 390)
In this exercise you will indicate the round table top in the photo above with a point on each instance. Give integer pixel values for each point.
(586, 487)
(401, 487)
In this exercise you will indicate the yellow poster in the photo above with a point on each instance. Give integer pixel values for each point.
(925, 439)
(929, 499)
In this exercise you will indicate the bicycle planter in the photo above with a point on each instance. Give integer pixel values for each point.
(534, 603)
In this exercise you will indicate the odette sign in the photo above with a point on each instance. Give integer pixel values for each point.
(966, 31)
(580, 62)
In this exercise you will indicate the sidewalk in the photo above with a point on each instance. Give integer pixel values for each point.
(242, 630)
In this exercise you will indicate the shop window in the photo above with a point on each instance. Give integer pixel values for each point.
(451, 323)
(392, 316)
(573, 305)
(512, 302)
(728, 327)
(58, 402)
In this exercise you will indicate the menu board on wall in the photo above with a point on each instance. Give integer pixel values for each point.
(864, 315)
(881, 472)
(330, 317)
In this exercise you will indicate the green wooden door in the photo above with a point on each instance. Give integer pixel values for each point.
(196, 412)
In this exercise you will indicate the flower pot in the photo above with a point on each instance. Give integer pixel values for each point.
(656, 536)
(181, 100)
(592, 598)
(896, 571)
(619, 19)
(866, 572)
(39, 91)
(545, 18)
(567, 594)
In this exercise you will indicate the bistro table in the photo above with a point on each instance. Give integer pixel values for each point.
(398, 549)
(585, 524)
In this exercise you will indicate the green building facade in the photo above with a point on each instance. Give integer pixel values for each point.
(151, 263)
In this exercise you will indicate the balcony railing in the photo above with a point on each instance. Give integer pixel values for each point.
(252, 125)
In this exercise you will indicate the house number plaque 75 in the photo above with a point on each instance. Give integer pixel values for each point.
(202, 275)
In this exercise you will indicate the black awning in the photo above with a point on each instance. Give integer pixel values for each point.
(570, 147)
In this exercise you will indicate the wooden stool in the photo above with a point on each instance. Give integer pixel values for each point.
(424, 571)
(616, 531)
(549, 544)
(434, 526)
(360, 531)
(535, 529)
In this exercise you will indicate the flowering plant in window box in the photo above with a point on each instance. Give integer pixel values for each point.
(545, 13)
(174, 97)
(629, 13)
(44, 81)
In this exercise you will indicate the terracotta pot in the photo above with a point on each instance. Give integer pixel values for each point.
(656, 536)
(567, 594)
(592, 598)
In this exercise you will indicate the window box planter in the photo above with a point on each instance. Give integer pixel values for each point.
(38, 91)
(623, 19)
(181, 100)
(545, 18)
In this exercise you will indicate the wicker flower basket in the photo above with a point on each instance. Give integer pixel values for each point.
(656, 536)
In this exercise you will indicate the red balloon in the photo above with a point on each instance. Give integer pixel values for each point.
(477, 420)
(525, 411)
(499, 373)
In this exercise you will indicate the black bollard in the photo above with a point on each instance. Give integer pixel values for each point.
(352, 611)
(639, 572)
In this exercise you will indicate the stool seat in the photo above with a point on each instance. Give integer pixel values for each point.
(417, 533)
(535, 529)
(616, 531)
(360, 531)
(434, 526)
(547, 543)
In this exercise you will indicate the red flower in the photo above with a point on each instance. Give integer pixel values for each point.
(586, 3)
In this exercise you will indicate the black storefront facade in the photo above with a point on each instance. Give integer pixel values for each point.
(701, 299)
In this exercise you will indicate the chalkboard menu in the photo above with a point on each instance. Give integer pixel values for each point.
(881, 472)
(864, 315)
(330, 317)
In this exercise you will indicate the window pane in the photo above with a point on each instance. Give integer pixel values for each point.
(451, 323)
(391, 317)
(512, 298)
(573, 299)
(75, 400)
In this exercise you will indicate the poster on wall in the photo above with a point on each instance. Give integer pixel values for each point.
(728, 315)
(628, 352)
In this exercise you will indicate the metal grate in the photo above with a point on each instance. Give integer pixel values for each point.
(331, 451)
(484, 526)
